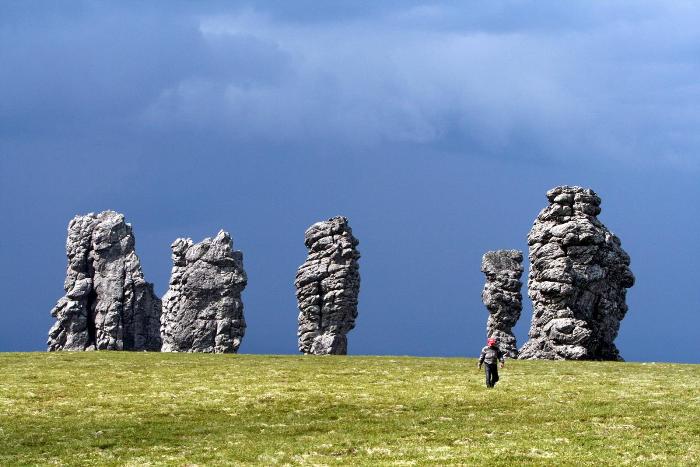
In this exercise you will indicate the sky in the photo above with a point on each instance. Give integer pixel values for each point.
(435, 127)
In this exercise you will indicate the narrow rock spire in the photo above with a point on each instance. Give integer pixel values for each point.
(327, 286)
(502, 296)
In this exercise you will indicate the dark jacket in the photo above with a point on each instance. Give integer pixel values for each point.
(491, 355)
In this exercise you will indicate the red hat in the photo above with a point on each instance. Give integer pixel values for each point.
(491, 341)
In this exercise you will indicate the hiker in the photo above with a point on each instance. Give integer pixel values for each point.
(490, 355)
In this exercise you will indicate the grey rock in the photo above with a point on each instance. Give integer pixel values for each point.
(579, 276)
(327, 286)
(108, 305)
(202, 309)
(502, 296)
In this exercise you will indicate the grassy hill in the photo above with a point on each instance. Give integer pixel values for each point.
(116, 408)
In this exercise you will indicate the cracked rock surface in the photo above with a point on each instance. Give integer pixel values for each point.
(108, 305)
(327, 286)
(579, 276)
(502, 296)
(202, 309)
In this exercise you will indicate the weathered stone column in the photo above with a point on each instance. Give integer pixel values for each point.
(108, 305)
(327, 285)
(203, 310)
(502, 296)
(579, 276)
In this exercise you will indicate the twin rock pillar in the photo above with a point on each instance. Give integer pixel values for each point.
(578, 280)
(109, 306)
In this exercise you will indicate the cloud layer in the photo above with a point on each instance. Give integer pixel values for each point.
(608, 82)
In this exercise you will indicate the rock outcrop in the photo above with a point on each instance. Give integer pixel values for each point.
(203, 310)
(108, 305)
(578, 278)
(327, 286)
(502, 296)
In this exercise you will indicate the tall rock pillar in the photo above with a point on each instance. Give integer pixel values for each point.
(502, 296)
(108, 305)
(579, 276)
(327, 286)
(203, 310)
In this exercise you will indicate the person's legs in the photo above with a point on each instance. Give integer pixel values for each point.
(488, 375)
(494, 375)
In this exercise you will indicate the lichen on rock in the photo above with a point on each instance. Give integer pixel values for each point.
(579, 275)
(327, 287)
(108, 305)
(203, 309)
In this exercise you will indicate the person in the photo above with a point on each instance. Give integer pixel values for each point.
(491, 355)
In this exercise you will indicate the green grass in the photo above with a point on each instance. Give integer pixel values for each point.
(119, 408)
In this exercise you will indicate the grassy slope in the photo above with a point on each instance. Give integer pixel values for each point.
(138, 408)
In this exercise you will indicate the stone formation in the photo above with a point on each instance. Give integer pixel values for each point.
(327, 286)
(202, 309)
(502, 296)
(108, 305)
(579, 276)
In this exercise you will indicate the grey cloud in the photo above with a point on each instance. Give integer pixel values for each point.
(612, 81)
(61, 74)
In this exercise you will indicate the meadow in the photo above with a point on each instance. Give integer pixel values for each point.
(121, 408)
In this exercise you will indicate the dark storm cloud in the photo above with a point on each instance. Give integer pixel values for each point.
(575, 80)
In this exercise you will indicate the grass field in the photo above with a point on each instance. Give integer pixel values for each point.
(119, 408)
